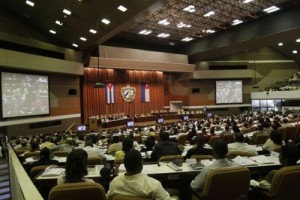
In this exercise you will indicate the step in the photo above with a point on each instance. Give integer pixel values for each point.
(4, 184)
(4, 190)
(5, 197)
(4, 172)
(3, 166)
(4, 178)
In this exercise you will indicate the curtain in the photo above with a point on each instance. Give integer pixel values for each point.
(94, 102)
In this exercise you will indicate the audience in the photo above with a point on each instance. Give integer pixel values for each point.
(93, 151)
(127, 145)
(136, 183)
(45, 158)
(76, 168)
(115, 146)
(199, 149)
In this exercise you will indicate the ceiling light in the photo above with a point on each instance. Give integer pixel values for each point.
(145, 32)
(75, 45)
(122, 8)
(236, 22)
(164, 22)
(247, 1)
(210, 13)
(298, 40)
(271, 9)
(183, 25)
(280, 44)
(295, 51)
(52, 31)
(187, 39)
(105, 21)
(163, 35)
(209, 31)
(83, 38)
(190, 8)
(30, 3)
(59, 23)
(67, 12)
(171, 43)
(93, 31)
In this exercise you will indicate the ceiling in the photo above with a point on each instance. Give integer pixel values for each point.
(209, 34)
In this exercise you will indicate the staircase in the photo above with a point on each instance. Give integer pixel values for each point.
(4, 180)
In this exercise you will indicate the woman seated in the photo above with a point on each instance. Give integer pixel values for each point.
(127, 146)
(76, 168)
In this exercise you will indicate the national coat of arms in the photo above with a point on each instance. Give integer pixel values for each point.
(128, 93)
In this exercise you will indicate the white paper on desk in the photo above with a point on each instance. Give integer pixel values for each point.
(53, 172)
(254, 183)
(30, 160)
(244, 161)
(262, 159)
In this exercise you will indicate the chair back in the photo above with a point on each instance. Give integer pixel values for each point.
(212, 139)
(285, 183)
(182, 139)
(60, 153)
(202, 157)
(291, 133)
(37, 170)
(77, 191)
(170, 158)
(282, 131)
(228, 138)
(123, 197)
(233, 154)
(94, 161)
(216, 185)
(35, 154)
(261, 139)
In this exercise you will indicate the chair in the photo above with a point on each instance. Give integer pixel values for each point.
(60, 153)
(285, 184)
(233, 154)
(261, 139)
(37, 170)
(228, 138)
(35, 154)
(212, 139)
(94, 161)
(282, 131)
(202, 157)
(124, 197)
(170, 158)
(217, 187)
(182, 139)
(291, 133)
(77, 191)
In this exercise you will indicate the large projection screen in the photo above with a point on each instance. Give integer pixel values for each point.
(24, 95)
(229, 91)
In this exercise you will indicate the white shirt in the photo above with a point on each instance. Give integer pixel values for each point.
(140, 185)
(242, 146)
(94, 152)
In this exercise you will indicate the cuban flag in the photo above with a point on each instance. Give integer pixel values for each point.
(110, 91)
(145, 92)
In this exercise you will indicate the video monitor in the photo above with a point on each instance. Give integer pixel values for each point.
(130, 123)
(185, 118)
(81, 128)
(160, 120)
(209, 114)
(229, 91)
(24, 95)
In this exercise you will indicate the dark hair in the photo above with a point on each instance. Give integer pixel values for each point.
(127, 144)
(76, 166)
(276, 137)
(164, 136)
(200, 141)
(289, 154)
(220, 148)
(239, 137)
(133, 161)
(34, 145)
(89, 143)
(45, 154)
(115, 139)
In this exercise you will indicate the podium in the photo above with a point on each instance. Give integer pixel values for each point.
(93, 124)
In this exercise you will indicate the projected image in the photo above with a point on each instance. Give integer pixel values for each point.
(229, 91)
(24, 94)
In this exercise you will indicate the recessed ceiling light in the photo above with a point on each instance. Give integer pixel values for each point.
(210, 13)
(105, 21)
(163, 35)
(209, 31)
(30, 3)
(52, 31)
(122, 8)
(190, 8)
(271, 9)
(247, 1)
(83, 38)
(75, 45)
(67, 12)
(280, 44)
(187, 39)
(164, 22)
(295, 51)
(171, 43)
(183, 25)
(236, 22)
(59, 23)
(298, 40)
(145, 32)
(93, 31)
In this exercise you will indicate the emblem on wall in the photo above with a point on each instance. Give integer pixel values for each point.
(128, 93)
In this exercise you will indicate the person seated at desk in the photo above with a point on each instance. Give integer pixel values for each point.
(76, 168)
(45, 158)
(165, 147)
(127, 146)
(115, 146)
(199, 149)
(274, 142)
(48, 143)
(220, 151)
(93, 151)
(126, 184)
(240, 145)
